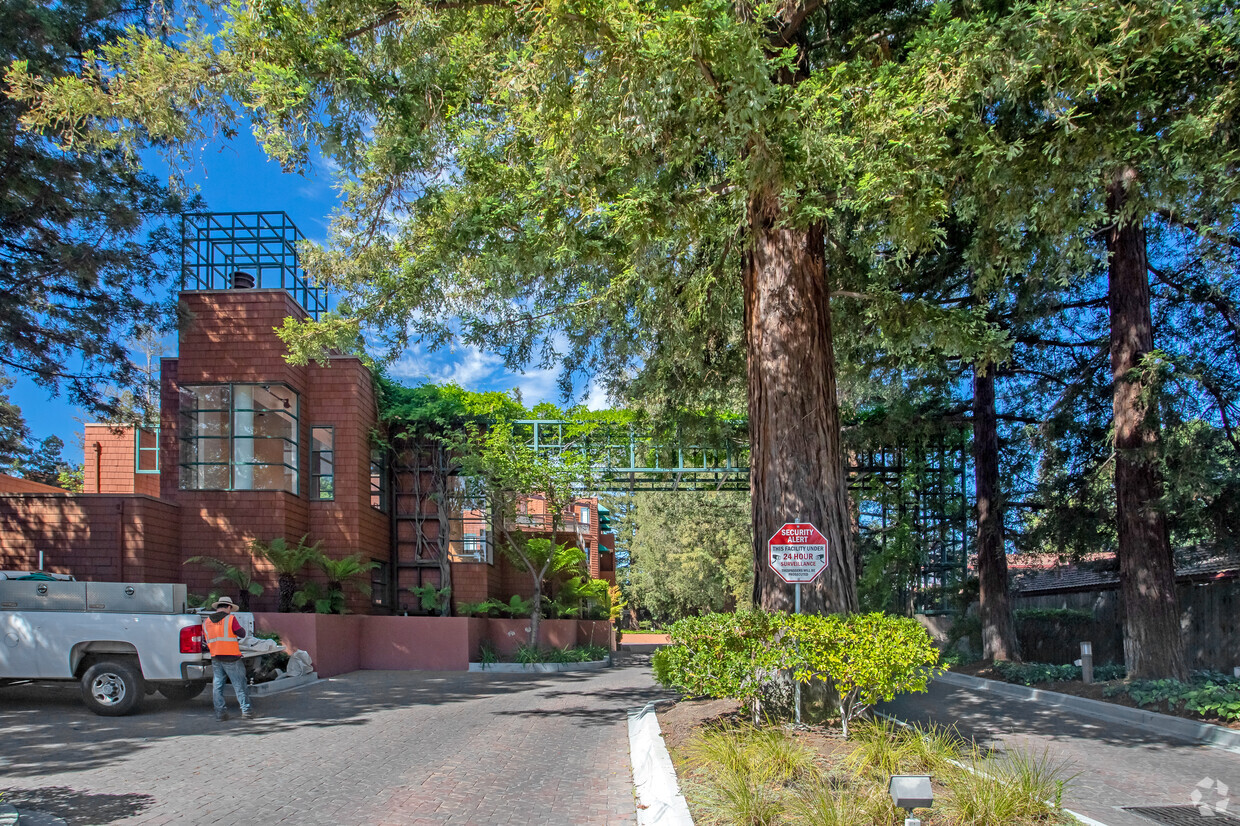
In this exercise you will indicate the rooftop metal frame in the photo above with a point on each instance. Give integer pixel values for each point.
(214, 245)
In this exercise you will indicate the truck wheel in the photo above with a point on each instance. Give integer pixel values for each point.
(111, 688)
(181, 692)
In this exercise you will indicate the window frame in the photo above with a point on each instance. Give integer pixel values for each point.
(378, 467)
(292, 447)
(316, 487)
(138, 449)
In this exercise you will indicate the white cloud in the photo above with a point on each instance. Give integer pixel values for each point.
(596, 399)
(473, 369)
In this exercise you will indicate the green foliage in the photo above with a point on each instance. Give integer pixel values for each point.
(884, 748)
(475, 609)
(745, 767)
(433, 600)
(239, 578)
(1035, 673)
(441, 408)
(866, 658)
(1075, 616)
(691, 553)
(1212, 696)
(72, 479)
(288, 561)
(487, 655)
(320, 599)
(87, 235)
(1020, 788)
(516, 606)
(527, 654)
(723, 655)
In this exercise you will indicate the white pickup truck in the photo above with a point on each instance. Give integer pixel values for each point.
(120, 640)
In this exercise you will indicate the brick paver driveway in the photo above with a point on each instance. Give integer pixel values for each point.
(1115, 766)
(369, 747)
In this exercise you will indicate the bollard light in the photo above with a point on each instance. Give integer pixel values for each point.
(909, 792)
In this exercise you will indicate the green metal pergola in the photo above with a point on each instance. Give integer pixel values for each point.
(625, 458)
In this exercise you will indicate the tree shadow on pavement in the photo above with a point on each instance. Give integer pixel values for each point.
(79, 807)
(38, 720)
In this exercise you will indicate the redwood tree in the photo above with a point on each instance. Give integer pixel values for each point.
(998, 630)
(1153, 645)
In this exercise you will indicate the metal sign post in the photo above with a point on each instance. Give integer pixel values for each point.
(797, 610)
(798, 553)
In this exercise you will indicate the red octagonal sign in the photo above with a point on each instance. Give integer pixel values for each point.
(798, 552)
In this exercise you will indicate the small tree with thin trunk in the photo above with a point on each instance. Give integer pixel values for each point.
(288, 561)
(511, 471)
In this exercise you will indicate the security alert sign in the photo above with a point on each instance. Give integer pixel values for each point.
(798, 552)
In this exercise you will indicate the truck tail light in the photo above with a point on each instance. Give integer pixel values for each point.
(191, 639)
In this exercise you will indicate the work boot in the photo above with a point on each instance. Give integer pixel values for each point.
(221, 716)
(247, 715)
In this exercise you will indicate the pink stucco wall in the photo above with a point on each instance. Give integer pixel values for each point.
(415, 643)
(596, 632)
(339, 644)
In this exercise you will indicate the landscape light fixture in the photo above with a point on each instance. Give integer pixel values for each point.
(909, 792)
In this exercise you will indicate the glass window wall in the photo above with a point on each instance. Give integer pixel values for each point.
(239, 437)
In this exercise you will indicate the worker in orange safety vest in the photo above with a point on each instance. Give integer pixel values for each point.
(224, 633)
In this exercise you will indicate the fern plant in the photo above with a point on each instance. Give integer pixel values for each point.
(241, 579)
(434, 600)
(288, 561)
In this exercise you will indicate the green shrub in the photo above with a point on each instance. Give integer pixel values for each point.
(1074, 616)
(866, 657)
(723, 655)
(1204, 696)
(1035, 673)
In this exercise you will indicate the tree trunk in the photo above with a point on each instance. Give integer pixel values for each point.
(1153, 646)
(998, 630)
(288, 587)
(796, 469)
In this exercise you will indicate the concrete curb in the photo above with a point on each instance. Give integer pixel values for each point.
(282, 685)
(538, 668)
(659, 801)
(1202, 734)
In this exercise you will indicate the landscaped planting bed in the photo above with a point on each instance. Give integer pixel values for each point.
(1207, 696)
(734, 773)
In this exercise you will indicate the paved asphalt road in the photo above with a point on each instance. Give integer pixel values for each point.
(1115, 766)
(370, 747)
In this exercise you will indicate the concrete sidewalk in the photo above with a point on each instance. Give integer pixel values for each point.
(365, 748)
(1117, 766)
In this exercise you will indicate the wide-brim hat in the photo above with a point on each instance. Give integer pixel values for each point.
(224, 602)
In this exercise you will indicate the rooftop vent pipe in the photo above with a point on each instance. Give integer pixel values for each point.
(242, 280)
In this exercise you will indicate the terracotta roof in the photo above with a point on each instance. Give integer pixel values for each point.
(1191, 563)
(14, 484)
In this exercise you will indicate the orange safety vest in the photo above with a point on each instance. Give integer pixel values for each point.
(221, 641)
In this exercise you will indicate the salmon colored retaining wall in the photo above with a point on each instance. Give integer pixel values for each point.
(338, 644)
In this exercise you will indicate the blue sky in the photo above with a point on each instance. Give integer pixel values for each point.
(239, 177)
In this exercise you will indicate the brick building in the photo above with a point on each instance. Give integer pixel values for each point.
(250, 447)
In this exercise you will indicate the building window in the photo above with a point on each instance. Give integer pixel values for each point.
(146, 450)
(584, 511)
(378, 481)
(239, 437)
(380, 583)
(587, 550)
(469, 521)
(322, 474)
